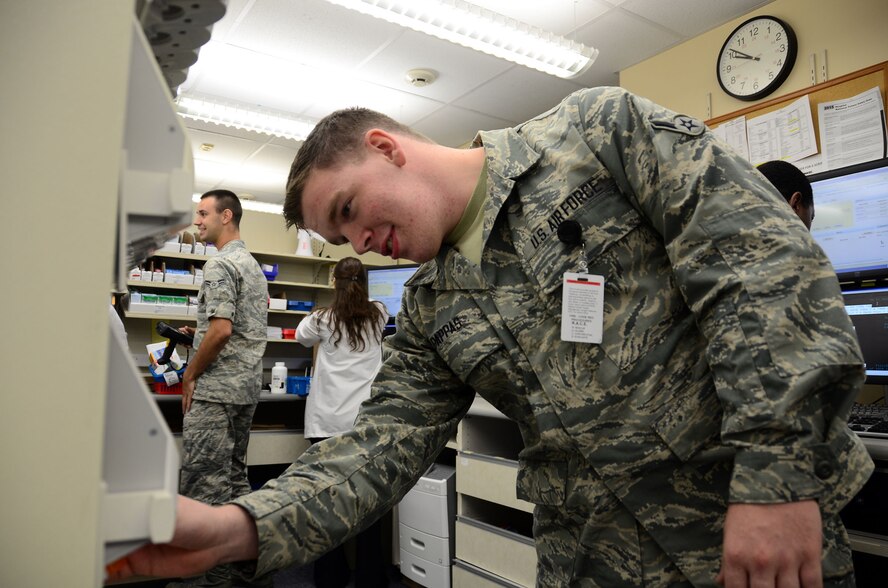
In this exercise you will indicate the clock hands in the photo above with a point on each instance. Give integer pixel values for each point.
(741, 55)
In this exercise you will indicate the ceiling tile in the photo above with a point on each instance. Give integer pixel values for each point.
(459, 69)
(308, 57)
(691, 17)
(518, 94)
(402, 106)
(227, 149)
(454, 127)
(556, 16)
(611, 33)
(312, 32)
(253, 78)
(264, 174)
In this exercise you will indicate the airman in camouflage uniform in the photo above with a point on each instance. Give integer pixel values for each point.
(717, 397)
(216, 427)
(725, 373)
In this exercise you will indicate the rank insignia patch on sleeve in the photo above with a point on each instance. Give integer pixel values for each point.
(687, 125)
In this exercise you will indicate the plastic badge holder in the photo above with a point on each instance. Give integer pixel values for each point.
(298, 385)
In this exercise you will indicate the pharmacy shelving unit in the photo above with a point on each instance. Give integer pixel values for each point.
(276, 437)
(494, 528)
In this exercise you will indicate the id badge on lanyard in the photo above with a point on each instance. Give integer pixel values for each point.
(582, 308)
(582, 294)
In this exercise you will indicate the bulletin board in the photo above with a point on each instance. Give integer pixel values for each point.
(838, 89)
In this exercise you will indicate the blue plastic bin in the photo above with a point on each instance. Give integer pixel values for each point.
(298, 385)
(303, 305)
(271, 274)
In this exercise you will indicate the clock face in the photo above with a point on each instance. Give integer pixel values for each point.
(756, 58)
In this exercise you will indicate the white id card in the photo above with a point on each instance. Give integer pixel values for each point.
(582, 308)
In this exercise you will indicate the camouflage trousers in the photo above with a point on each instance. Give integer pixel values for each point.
(214, 439)
(592, 540)
(214, 465)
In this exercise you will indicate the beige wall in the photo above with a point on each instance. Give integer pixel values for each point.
(268, 233)
(853, 33)
(262, 231)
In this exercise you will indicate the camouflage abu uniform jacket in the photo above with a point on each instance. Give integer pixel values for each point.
(726, 370)
(234, 288)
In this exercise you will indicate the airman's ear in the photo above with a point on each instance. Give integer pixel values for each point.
(386, 144)
(795, 200)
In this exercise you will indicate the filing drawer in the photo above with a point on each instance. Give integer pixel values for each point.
(489, 478)
(466, 575)
(428, 547)
(424, 573)
(503, 553)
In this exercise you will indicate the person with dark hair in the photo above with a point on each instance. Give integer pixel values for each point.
(348, 335)
(670, 343)
(793, 185)
(220, 386)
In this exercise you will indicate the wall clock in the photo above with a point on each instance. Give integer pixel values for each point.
(756, 58)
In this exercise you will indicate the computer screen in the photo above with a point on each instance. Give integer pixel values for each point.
(868, 310)
(851, 219)
(387, 284)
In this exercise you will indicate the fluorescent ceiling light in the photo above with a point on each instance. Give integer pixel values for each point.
(242, 116)
(483, 30)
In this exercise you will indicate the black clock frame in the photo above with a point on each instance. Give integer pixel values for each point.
(791, 54)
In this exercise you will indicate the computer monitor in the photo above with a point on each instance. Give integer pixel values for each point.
(868, 310)
(387, 285)
(851, 219)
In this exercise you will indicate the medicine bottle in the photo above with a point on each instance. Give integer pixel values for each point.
(279, 378)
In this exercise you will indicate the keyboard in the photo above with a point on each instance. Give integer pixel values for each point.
(869, 420)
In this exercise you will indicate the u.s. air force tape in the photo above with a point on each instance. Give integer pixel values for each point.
(686, 125)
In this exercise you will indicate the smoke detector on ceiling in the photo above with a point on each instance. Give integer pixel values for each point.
(421, 77)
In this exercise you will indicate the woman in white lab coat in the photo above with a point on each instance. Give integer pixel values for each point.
(348, 334)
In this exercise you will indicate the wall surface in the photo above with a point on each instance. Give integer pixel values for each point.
(266, 232)
(852, 34)
(262, 231)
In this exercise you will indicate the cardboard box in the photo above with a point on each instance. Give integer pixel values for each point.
(277, 304)
(171, 245)
(172, 276)
(145, 308)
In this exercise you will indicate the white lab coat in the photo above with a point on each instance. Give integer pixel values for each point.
(341, 377)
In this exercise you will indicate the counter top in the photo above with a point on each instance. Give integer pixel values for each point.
(263, 397)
